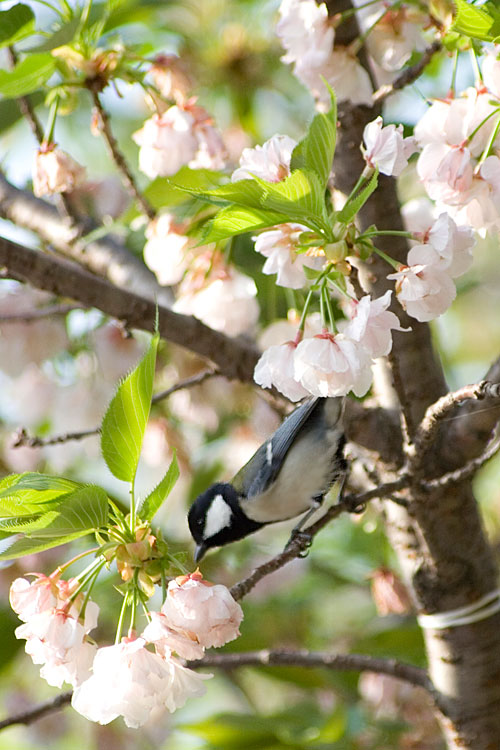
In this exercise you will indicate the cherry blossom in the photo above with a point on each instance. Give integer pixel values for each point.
(55, 171)
(167, 142)
(202, 608)
(165, 249)
(446, 171)
(452, 243)
(227, 303)
(305, 32)
(130, 681)
(166, 639)
(394, 36)
(344, 73)
(371, 323)
(30, 598)
(279, 247)
(386, 147)
(270, 162)
(424, 290)
(490, 69)
(171, 78)
(276, 368)
(332, 365)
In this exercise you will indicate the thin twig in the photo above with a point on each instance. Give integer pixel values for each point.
(117, 156)
(313, 659)
(467, 471)
(353, 503)
(23, 440)
(31, 715)
(32, 316)
(409, 75)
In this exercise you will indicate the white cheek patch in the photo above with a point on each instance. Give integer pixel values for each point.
(217, 518)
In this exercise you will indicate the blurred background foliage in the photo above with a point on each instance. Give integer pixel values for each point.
(58, 375)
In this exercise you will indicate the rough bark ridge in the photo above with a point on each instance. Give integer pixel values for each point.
(439, 540)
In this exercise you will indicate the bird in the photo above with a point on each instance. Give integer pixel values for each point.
(287, 476)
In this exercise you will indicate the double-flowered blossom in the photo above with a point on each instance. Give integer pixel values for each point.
(55, 171)
(386, 148)
(130, 681)
(270, 162)
(54, 629)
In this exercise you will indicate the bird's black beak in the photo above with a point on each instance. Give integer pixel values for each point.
(199, 552)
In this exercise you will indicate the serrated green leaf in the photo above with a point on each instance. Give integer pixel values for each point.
(63, 35)
(25, 546)
(248, 193)
(123, 426)
(316, 151)
(299, 197)
(16, 23)
(27, 76)
(473, 21)
(152, 503)
(353, 206)
(32, 480)
(233, 220)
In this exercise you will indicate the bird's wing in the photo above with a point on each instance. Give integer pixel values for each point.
(273, 452)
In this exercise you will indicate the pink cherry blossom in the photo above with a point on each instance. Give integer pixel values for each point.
(328, 365)
(344, 73)
(305, 32)
(55, 171)
(166, 639)
(270, 162)
(424, 290)
(386, 147)
(275, 368)
(371, 323)
(453, 244)
(204, 609)
(30, 598)
(227, 303)
(130, 681)
(446, 171)
(167, 142)
(279, 247)
(165, 249)
(394, 36)
(171, 77)
(211, 151)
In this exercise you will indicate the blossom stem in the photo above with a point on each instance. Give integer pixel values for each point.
(475, 66)
(62, 568)
(387, 258)
(489, 145)
(133, 612)
(89, 590)
(361, 179)
(305, 309)
(121, 619)
(51, 124)
(454, 73)
(356, 45)
(351, 11)
(384, 232)
(326, 308)
(488, 117)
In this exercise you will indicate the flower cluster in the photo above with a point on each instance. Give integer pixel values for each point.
(425, 285)
(127, 679)
(308, 38)
(182, 135)
(327, 364)
(460, 141)
(385, 147)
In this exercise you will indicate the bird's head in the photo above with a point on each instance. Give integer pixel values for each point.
(215, 518)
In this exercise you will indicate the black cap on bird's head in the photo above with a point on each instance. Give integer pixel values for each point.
(215, 518)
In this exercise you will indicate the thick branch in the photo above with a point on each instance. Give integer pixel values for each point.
(106, 256)
(234, 357)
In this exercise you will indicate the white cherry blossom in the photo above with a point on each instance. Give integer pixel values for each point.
(328, 365)
(167, 142)
(424, 290)
(29, 598)
(207, 610)
(447, 172)
(452, 243)
(490, 69)
(166, 639)
(344, 73)
(394, 36)
(227, 303)
(386, 147)
(275, 368)
(278, 245)
(130, 681)
(370, 324)
(55, 171)
(305, 32)
(165, 249)
(270, 162)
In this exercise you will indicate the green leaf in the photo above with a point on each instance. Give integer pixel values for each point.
(473, 21)
(248, 193)
(152, 503)
(32, 480)
(233, 220)
(300, 197)
(27, 76)
(352, 207)
(124, 423)
(16, 23)
(22, 546)
(316, 151)
(63, 35)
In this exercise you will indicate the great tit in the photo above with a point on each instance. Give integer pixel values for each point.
(288, 475)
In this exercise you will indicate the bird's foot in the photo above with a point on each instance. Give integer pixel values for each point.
(304, 540)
